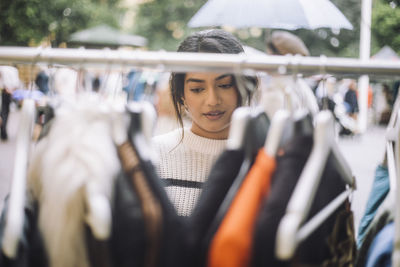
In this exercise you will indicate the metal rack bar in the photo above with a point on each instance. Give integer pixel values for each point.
(174, 61)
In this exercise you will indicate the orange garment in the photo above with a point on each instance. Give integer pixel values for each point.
(370, 96)
(231, 245)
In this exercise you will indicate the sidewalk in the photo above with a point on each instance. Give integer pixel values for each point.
(363, 153)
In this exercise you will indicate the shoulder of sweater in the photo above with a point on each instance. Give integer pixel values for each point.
(191, 142)
(167, 140)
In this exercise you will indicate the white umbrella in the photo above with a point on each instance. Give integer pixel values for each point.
(278, 14)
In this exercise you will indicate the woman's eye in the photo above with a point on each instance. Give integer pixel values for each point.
(196, 90)
(226, 85)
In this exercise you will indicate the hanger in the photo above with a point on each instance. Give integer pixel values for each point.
(306, 96)
(142, 116)
(142, 121)
(15, 213)
(287, 122)
(239, 122)
(279, 132)
(392, 137)
(393, 159)
(394, 190)
(99, 215)
(241, 116)
(289, 235)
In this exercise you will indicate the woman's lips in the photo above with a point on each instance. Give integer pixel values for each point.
(214, 115)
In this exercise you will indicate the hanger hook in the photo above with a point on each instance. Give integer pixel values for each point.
(161, 66)
(322, 70)
(238, 72)
(296, 65)
(108, 69)
(322, 65)
(50, 66)
(79, 70)
(121, 74)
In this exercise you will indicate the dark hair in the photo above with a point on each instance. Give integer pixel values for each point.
(209, 41)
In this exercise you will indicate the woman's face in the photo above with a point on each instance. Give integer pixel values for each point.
(210, 99)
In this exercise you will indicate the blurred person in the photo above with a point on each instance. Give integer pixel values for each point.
(9, 81)
(287, 91)
(96, 84)
(209, 99)
(350, 100)
(283, 43)
(42, 81)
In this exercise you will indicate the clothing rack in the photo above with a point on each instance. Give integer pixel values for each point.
(177, 61)
(184, 62)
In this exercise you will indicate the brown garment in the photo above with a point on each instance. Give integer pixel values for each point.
(150, 206)
(341, 242)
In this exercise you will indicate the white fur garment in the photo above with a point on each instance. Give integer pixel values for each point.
(78, 150)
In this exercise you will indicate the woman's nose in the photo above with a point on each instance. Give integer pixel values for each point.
(213, 98)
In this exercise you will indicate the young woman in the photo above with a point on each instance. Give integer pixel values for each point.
(186, 154)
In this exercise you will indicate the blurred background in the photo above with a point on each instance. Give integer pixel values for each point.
(164, 23)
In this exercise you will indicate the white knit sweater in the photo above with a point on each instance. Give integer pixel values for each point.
(185, 165)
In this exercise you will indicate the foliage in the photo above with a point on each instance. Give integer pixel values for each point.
(343, 43)
(163, 22)
(386, 24)
(28, 22)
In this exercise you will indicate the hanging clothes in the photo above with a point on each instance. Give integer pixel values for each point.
(383, 217)
(151, 208)
(231, 245)
(136, 213)
(215, 188)
(379, 191)
(64, 162)
(31, 251)
(380, 252)
(313, 251)
(145, 229)
(172, 247)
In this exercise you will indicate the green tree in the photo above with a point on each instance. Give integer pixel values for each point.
(163, 22)
(28, 22)
(386, 25)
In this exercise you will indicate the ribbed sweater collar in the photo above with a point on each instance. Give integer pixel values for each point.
(202, 144)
